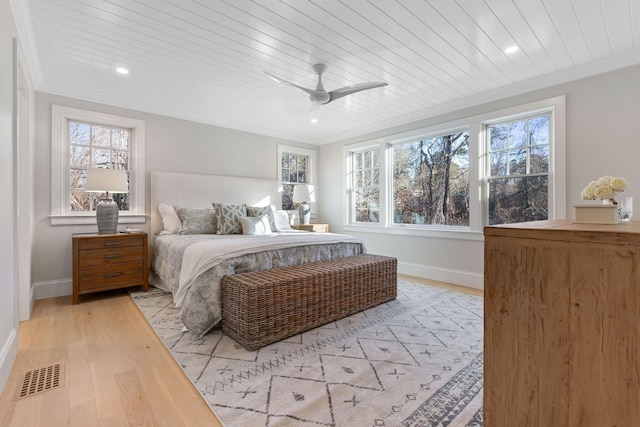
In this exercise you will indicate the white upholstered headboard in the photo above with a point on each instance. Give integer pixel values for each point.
(200, 190)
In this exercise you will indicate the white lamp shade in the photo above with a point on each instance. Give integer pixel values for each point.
(303, 193)
(106, 180)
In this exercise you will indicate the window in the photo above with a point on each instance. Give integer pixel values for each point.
(296, 166)
(95, 146)
(431, 180)
(518, 154)
(451, 179)
(366, 185)
(85, 139)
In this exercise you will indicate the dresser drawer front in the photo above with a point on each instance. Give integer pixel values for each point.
(96, 257)
(110, 242)
(110, 276)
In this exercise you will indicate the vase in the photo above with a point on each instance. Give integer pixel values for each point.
(625, 208)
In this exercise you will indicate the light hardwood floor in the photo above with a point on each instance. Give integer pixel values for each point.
(118, 372)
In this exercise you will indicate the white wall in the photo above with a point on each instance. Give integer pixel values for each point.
(601, 112)
(601, 139)
(171, 145)
(8, 257)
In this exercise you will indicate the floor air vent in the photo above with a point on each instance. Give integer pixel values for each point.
(40, 380)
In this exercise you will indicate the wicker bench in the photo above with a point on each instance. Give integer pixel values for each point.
(262, 307)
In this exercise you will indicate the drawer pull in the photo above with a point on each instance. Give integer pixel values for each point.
(112, 243)
(113, 274)
(112, 256)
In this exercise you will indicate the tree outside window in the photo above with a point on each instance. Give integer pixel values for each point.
(518, 170)
(95, 146)
(431, 180)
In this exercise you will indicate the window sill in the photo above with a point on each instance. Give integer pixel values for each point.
(459, 233)
(91, 219)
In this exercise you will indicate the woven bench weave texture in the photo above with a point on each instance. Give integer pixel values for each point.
(262, 307)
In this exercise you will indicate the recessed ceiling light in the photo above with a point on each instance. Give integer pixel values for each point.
(314, 120)
(122, 70)
(511, 49)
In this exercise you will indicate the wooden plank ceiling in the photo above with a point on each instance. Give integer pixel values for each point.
(203, 60)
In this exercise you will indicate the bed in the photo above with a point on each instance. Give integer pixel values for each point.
(191, 266)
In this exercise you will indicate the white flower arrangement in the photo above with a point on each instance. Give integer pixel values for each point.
(605, 188)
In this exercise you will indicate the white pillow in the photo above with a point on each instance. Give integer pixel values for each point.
(170, 219)
(263, 210)
(281, 219)
(255, 225)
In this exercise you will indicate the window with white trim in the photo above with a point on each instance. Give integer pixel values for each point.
(518, 169)
(95, 146)
(86, 139)
(497, 167)
(431, 180)
(295, 166)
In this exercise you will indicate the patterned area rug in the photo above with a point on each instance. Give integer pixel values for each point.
(414, 361)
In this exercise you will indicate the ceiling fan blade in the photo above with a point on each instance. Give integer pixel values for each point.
(348, 90)
(312, 92)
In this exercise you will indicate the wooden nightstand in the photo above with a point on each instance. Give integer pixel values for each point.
(109, 261)
(318, 228)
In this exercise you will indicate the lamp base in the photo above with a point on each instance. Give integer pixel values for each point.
(304, 212)
(107, 216)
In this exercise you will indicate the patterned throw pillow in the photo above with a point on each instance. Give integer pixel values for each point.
(218, 214)
(196, 221)
(229, 219)
(262, 211)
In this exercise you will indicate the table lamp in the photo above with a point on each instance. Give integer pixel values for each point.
(303, 193)
(107, 181)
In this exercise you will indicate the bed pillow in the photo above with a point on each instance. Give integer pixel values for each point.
(281, 219)
(196, 221)
(170, 219)
(229, 219)
(218, 214)
(253, 225)
(263, 211)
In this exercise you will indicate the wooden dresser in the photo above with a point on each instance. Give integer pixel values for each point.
(562, 325)
(109, 261)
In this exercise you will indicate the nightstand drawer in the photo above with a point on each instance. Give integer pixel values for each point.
(110, 276)
(111, 242)
(110, 256)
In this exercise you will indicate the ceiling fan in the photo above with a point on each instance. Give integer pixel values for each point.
(319, 96)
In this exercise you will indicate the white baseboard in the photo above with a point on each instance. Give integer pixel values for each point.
(53, 288)
(455, 277)
(7, 357)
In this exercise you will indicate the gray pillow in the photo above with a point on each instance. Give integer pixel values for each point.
(262, 211)
(196, 221)
(229, 219)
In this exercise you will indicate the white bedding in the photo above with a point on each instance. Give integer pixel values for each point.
(201, 256)
(192, 266)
